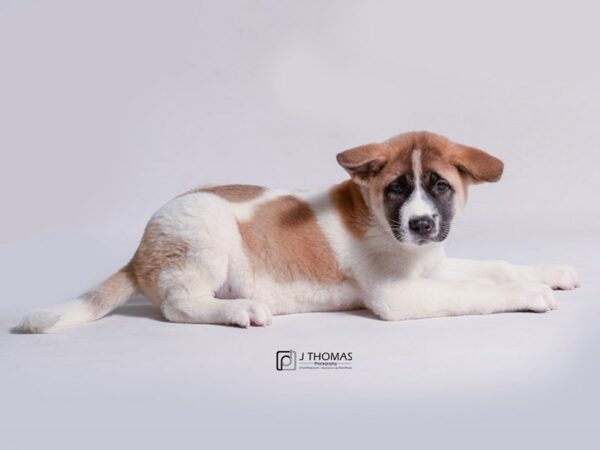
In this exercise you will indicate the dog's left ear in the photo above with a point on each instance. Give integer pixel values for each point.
(477, 164)
(364, 162)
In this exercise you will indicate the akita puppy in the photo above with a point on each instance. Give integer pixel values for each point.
(239, 254)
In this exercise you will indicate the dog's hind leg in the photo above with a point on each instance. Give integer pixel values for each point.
(187, 298)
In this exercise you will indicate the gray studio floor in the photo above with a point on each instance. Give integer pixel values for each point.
(134, 376)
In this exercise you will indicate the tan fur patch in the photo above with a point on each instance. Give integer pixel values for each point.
(393, 157)
(285, 241)
(459, 164)
(157, 251)
(349, 203)
(236, 193)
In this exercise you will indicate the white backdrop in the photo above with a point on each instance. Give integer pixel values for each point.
(110, 108)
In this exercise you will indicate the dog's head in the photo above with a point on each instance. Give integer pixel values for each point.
(415, 183)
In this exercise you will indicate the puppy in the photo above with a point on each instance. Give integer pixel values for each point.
(238, 254)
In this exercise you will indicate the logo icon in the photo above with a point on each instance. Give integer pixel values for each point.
(285, 360)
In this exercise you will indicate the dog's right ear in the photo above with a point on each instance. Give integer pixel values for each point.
(364, 162)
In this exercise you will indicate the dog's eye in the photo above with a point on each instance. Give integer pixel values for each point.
(441, 186)
(397, 187)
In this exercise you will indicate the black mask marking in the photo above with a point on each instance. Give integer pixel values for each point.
(437, 191)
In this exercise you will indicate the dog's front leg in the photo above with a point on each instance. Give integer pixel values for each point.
(555, 276)
(421, 298)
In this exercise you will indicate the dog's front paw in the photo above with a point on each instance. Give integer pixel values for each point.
(533, 297)
(557, 276)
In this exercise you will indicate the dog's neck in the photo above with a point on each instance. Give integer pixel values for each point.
(349, 201)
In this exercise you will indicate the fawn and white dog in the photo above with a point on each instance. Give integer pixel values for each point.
(237, 254)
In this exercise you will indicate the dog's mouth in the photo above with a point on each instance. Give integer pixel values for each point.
(422, 241)
(438, 235)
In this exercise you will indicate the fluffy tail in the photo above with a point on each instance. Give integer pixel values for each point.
(107, 296)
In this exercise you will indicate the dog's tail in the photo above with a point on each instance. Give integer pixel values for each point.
(107, 296)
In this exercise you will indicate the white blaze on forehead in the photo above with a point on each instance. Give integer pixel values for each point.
(417, 166)
(418, 204)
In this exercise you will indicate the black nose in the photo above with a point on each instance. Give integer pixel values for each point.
(421, 225)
